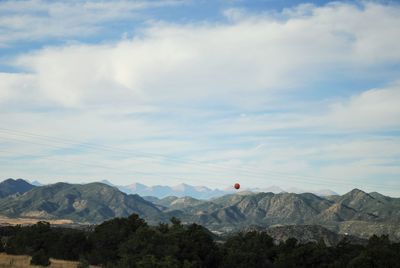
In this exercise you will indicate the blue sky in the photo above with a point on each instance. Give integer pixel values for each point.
(288, 93)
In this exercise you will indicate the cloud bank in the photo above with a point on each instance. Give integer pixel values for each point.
(275, 91)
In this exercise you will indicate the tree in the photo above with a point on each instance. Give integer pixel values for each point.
(108, 236)
(197, 246)
(40, 258)
(379, 253)
(69, 245)
(251, 249)
(83, 263)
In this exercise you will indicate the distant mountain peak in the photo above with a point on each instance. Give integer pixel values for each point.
(324, 192)
(356, 192)
(136, 185)
(180, 187)
(36, 183)
(107, 182)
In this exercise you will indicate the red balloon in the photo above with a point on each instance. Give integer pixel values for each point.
(237, 186)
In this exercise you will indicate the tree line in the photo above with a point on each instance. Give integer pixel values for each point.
(131, 242)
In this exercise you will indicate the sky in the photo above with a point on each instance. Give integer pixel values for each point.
(290, 93)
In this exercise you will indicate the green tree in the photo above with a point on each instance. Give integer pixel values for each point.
(251, 249)
(108, 236)
(379, 253)
(83, 263)
(40, 258)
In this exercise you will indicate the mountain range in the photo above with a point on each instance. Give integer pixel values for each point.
(180, 190)
(202, 192)
(356, 213)
(198, 192)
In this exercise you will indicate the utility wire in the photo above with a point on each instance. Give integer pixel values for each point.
(46, 157)
(152, 156)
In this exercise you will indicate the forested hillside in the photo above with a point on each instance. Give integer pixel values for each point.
(131, 242)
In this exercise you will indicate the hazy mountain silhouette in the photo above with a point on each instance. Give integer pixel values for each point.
(180, 190)
(201, 192)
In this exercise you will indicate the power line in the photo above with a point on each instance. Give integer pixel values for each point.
(252, 176)
(209, 168)
(80, 163)
(165, 157)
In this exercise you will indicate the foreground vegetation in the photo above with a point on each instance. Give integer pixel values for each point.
(131, 242)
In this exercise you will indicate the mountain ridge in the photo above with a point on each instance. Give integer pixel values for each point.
(356, 212)
(267, 209)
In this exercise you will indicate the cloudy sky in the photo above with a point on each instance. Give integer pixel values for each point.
(283, 92)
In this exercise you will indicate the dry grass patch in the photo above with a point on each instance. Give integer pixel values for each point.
(18, 261)
(29, 221)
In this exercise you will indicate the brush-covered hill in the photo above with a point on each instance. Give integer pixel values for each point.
(10, 187)
(306, 233)
(92, 202)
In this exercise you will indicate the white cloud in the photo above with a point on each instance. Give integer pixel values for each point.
(372, 109)
(238, 63)
(39, 19)
(14, 85)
